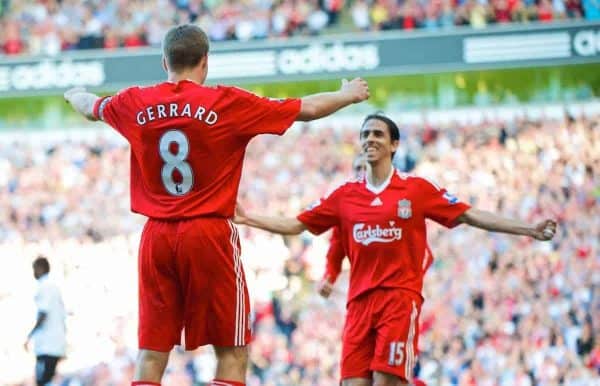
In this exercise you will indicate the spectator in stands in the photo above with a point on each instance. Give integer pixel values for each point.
(50, 26)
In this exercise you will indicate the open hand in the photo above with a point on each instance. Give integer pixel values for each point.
(545, 230)
(357, 89)
(72, 91)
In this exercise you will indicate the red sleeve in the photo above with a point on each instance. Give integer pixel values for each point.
(335, 256)
(322, 215)
(111, 109)
(441, 206)
(263, 115)
(427, 259)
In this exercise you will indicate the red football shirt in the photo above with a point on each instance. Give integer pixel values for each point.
(383, 229)
(188, 143)
(336, 253)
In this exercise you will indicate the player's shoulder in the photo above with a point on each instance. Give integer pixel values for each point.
(121, 96)
(134, 90)
(333, 194)
(235, 91)
(340, 188)
(352, 183)
(415, 179)
(237, 96)
(240, 93)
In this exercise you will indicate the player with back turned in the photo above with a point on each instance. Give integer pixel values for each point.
(187, 147)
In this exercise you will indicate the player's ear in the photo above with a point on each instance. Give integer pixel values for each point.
(395, 144)
(204, 63)
(164, 64)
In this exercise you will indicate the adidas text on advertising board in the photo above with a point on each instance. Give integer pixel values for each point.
(49, 74)
(328, 58)
(587, 43)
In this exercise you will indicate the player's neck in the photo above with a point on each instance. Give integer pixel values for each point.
(186, 75)
(378, 173)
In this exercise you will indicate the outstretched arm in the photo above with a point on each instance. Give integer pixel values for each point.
(281, 225)
(82, 101)
(320, 105)
(491, 222)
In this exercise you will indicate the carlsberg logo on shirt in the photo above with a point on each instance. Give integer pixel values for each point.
(367, 234)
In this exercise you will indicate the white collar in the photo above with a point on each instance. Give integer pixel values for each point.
(181, 80)
(384, 184)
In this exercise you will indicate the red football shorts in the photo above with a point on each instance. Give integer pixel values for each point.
(191, 278)
(381, 334)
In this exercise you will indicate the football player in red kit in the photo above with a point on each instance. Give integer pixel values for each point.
(336, 254)
(335, 257)
(187, 146)
(381, 217)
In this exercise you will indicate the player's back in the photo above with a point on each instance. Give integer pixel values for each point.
(188, 143)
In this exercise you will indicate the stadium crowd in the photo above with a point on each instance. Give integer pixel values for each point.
(499, 310)
(50, 26)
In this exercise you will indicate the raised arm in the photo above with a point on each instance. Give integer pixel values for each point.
(542, 231)
(281, 225)
(320, 105)
(82, 101)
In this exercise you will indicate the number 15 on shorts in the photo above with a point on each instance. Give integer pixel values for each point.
(396, 353)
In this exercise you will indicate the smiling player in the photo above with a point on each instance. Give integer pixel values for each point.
(381, 217)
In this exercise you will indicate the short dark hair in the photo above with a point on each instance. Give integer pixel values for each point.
(42, 263)
(391, 125)
(184, 46)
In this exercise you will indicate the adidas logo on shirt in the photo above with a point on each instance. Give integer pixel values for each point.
(376, 202)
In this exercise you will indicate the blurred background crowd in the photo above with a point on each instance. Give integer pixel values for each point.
(50, 26)
(499, 310)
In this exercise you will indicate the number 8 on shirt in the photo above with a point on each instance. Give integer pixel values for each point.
(187, 146)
